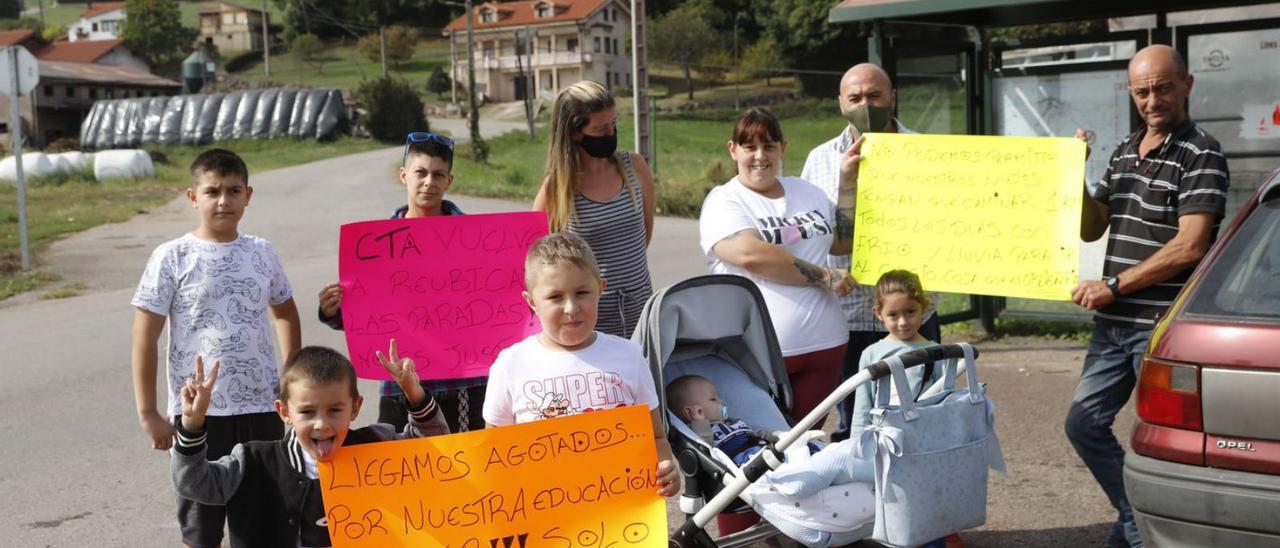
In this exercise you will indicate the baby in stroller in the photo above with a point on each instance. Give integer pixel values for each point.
(694, 399)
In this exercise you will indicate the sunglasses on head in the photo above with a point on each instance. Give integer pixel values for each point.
(425, 137)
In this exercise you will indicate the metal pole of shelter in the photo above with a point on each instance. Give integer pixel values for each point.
(15, 131)
(875, 44)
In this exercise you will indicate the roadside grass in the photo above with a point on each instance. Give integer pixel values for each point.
(64, 292)
(22, 282)
(345, 68)
(57, 207)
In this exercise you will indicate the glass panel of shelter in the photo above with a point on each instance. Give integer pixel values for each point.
(1236, 96)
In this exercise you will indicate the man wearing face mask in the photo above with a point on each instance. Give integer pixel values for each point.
(867, 100)
(602, 194)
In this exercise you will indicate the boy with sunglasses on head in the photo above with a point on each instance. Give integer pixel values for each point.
(426, 172)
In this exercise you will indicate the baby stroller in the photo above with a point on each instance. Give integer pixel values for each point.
(717, 326)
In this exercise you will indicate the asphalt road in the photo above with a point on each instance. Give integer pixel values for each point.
(76, 470)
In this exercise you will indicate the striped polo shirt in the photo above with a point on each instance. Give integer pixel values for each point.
(1186, 174)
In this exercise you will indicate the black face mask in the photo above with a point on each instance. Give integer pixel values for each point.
(600, 146)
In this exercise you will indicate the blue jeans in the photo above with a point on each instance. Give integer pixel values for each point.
(1106, 383)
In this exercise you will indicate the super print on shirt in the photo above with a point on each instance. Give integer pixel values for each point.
(575, 393)
(789, 230)
(529, 382)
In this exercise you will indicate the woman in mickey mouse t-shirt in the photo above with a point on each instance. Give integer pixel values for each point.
(776, 231)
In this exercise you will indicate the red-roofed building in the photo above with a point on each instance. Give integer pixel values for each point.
(72, 76)
(572, 40)
(99, 52)
(99, 21)
(22, 37)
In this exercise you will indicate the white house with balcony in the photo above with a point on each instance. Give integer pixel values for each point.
(546, 43)
(99, 21)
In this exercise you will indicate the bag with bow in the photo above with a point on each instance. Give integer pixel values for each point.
(931, 456)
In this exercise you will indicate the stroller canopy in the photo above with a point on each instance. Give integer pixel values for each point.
(717, 314)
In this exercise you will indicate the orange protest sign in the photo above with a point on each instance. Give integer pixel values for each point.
(580, 481)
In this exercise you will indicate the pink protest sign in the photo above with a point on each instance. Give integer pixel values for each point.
(446, 288)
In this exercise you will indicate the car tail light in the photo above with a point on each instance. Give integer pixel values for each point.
(1169, 394)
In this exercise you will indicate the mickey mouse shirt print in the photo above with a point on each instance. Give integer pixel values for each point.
(216, 296)
(806, 318)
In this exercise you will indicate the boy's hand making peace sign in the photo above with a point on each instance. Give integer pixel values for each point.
(196, 395)
(404, 373)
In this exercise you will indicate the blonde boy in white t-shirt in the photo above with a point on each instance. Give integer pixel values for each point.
(569, 367)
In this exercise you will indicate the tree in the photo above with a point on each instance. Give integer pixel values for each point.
(401, 43)
(310, 50)
(682, 37)
(439, 82)
(154, 30)
(762, 60)
(22, 23)
(10, 9)
(392, 109)
(714, 66)
(1048, 30)
(53, 31)
(806, 40)
(353, 18)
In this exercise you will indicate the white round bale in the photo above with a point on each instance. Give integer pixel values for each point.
(69, 162)
(122, 164)
(34, 164)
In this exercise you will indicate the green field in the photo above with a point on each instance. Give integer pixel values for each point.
(692, 155)
(65, 13)
(346, 68)
(62, 206)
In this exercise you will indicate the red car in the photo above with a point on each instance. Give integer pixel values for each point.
(1204, 469)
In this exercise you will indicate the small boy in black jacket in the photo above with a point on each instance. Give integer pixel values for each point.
(272, 489)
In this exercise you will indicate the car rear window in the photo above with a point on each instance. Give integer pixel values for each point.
(1244, 282)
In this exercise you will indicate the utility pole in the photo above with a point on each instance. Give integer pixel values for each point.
(266, 39)
(382, 37)
(453, 72)
(640, 81)
(525, 42)
(737, 68)
(478, 147)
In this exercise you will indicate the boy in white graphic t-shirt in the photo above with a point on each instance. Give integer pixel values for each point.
(214, 287)
(569, 367)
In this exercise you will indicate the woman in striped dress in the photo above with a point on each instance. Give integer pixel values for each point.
(603, 195)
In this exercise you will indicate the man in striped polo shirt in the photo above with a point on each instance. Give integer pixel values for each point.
(1163, 195)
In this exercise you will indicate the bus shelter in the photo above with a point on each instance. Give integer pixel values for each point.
(955, 75)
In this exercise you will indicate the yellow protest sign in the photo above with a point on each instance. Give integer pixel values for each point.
(580, 481)
(971, 214)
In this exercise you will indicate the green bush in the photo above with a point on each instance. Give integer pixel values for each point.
(716, 173)
(438, 82)
(242, 60)
(310, 50)
(515, 178)
(392, 109)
